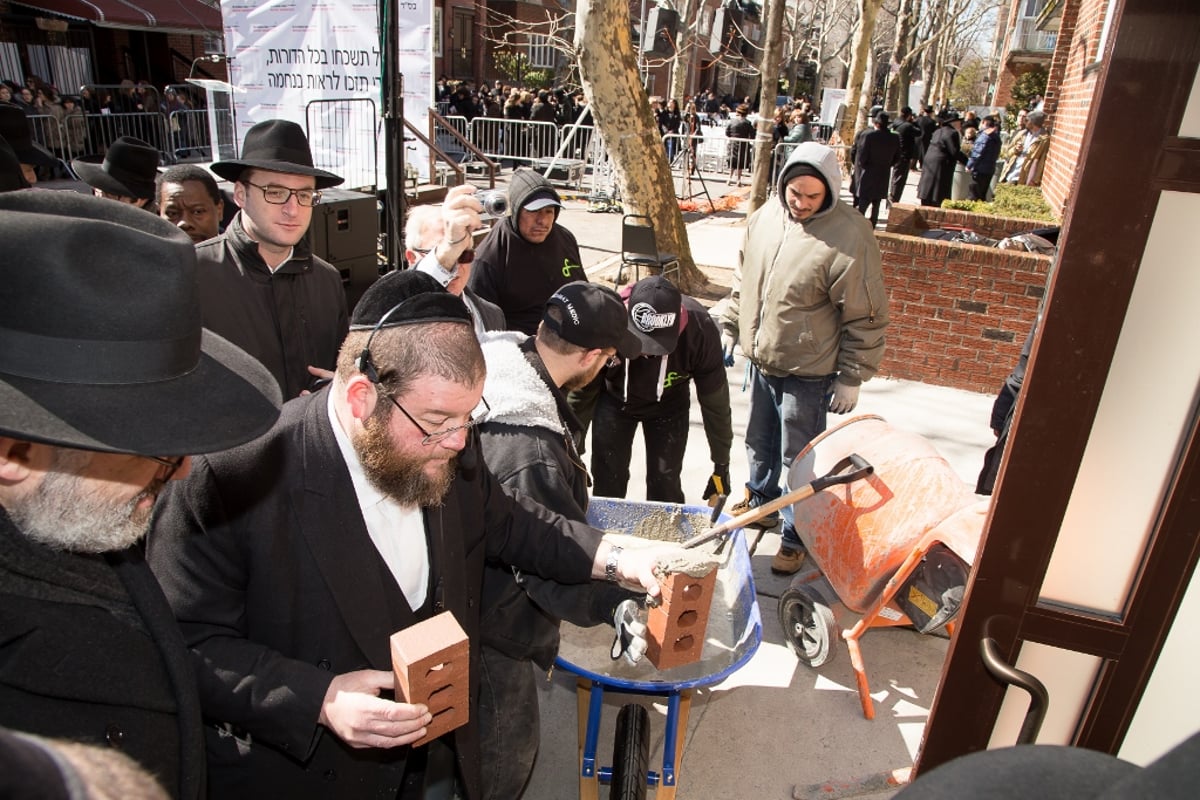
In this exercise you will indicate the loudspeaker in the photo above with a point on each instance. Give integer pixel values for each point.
(726, 23)
(345, 232)
(659, 38)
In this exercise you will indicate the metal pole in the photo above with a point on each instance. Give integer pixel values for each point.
(393, 132)
(643, 68)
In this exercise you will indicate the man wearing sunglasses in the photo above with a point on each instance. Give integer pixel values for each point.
(103, 394)
(260, 285)
(290, 561)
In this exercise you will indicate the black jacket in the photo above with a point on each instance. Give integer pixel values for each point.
(519, 276)
(288, 320)
(529, 444)
(265, 558)
(937, 168)
(878, 150)
(89, 651)
(910, 136)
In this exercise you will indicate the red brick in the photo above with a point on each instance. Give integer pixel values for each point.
(677, 625)
(431, 661)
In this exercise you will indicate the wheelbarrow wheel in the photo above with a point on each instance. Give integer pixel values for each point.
(808, 625)
(631, 754)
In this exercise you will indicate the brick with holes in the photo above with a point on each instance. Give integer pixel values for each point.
(676, 627)
(431, 663)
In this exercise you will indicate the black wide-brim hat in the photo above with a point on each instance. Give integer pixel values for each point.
(101, 345)
(16, 129)
(276, 145)
(128, 168)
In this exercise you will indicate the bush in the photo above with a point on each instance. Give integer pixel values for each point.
(1020, 202)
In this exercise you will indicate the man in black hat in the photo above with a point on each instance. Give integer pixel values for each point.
(943, 153)
(526, 256)
(809, 310)
(107, 383)
(682, 346)
(530, 441)
(291, 560)
(260, 285)
(125, 172)
(17, 130)
(878, 151)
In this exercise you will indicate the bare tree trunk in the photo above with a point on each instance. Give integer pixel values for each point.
(681, 62)
(860, 55)
(897, 95)
(768, 69)
(608, 71)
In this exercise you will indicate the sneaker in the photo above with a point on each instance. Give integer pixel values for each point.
(767, 523)
(787, 561)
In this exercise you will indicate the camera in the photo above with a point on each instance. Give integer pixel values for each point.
(495, 203)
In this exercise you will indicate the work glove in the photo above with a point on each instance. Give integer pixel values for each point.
(727, 343)
(718, 482)
(630, 640)
(845, 398)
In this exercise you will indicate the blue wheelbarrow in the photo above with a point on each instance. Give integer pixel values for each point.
(733, 635)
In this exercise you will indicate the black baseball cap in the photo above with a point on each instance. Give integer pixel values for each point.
(654, 310)
(594, 317)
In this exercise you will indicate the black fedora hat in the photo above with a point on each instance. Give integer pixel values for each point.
(276, 145)
(947, 117)
(127, 169)
(11, 176)
(15, 127)
(101, 345)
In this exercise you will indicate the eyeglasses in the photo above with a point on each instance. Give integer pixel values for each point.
(465, 257)
(167, 466)
(279, 195)
(437, 436)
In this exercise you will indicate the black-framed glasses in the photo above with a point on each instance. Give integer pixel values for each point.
(167, 466)
(279, 195)
(437, 436)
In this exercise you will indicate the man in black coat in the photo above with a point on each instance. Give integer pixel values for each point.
(945, 151)
(107, 383)
(290, 561)
(878, 151)
(910, 137)
(926, 124)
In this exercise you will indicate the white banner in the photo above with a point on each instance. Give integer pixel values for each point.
(287, 55)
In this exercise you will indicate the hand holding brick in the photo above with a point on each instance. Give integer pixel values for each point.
(432, 667)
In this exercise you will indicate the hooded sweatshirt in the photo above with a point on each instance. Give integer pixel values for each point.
(808, 298)
(517, 275)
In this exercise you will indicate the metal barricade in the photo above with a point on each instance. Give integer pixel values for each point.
(191, 136)
(579, 140)
(447, 143)
(150, 127)
(514, 139)
(344, 137)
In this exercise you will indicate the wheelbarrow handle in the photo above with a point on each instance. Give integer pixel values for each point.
(851, 468)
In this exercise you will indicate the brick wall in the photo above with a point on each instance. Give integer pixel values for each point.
(960, 313)
(1069, 92)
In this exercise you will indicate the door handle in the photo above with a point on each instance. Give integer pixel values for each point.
(1039, 698)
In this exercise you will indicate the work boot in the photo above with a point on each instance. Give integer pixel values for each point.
(767, 523)
(787, 561)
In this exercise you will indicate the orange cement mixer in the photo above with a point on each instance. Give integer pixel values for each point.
(895, 546)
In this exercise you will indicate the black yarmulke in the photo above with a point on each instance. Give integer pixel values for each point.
(407, 297)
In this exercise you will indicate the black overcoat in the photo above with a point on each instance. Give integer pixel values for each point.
(937, 169)
(878, 150)
(264, 556)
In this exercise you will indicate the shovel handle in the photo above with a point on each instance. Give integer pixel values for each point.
(851, 468)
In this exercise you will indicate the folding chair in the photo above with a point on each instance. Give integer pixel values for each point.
(639, 248)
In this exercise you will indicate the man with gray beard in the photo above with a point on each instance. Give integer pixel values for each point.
(291, 560)
(107, 383)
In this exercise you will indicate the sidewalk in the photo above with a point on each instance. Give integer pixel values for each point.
(776, 728)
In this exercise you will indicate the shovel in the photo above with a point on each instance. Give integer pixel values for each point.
(851, 468)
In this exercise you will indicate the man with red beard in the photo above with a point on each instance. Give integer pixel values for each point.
(290, 561)
(107, 383)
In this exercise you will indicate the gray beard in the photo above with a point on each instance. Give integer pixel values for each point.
(62, 515)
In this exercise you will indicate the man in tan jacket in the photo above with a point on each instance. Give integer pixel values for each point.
(809, 309)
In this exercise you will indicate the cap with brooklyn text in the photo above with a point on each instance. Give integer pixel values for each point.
(654, 310)
(593, 316)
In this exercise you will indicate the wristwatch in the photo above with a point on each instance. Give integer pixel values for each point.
(610, 564)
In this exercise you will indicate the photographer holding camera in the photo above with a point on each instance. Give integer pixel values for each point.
(527, 256)
(439, 242)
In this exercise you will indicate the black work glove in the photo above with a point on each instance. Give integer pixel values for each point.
(718, 482)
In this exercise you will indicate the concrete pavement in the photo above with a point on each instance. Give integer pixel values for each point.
(777, 728)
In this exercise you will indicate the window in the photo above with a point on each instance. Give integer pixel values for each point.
(541, 52)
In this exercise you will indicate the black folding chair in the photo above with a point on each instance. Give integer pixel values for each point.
(639, 248)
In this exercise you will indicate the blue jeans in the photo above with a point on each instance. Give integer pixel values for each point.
(785, 415)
